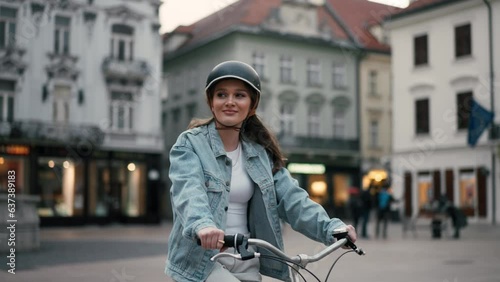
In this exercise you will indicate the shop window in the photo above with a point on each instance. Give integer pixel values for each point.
(467, 192)
(17, 165)
(117, 189)
(317, 188)
(425, 191)
(60, 182)
(341, 184)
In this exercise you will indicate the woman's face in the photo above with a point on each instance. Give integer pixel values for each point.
(231, 102)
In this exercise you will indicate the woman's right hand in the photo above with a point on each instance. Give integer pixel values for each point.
(211, 238)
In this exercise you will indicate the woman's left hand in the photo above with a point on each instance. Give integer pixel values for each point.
(351, 233)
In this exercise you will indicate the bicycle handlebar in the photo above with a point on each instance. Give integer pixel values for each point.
(241, 242)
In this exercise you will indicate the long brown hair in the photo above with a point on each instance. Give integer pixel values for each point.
(252, 129)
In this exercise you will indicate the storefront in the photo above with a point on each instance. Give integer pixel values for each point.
(105, 187)
(326, 184)
(83, 184)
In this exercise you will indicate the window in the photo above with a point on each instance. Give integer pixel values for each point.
(60, 181)
(463, 45)
(122, 42)
(286, 69)
(313, 121)
(7, 26)
(61, 35)
(372, 80)
(374, 129)
(7, 91)
(191, 110)
(422, 116)
(463, 109)
(258, 63)
(193, 80)
(121, 112)
(420, 50)
(60, 109)
(339, 75)
(339, 124)
(313, 72)
(287, 119)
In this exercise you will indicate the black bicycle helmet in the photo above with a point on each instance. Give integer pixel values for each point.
(234, 69)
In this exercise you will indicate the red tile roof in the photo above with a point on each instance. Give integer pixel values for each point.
(357, 14)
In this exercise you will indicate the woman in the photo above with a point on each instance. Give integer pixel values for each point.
(228, 176)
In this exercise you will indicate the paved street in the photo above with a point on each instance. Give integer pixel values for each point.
(137, 253)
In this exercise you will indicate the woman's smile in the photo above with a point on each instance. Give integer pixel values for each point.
(231, 102)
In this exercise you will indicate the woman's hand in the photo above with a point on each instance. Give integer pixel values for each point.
(351, 233)
(211, 238)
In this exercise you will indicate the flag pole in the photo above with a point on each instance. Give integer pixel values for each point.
(492, 109)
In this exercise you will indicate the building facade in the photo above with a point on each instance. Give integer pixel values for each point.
(308, 69)
(80, 108)
(441, 63)
(309, 55)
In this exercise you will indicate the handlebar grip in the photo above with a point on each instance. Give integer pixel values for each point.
(230, 241)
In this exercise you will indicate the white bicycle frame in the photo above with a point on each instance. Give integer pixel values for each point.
(302, 260)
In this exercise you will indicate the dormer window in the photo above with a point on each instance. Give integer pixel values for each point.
(7, 26)
(61, 35)
(122, 42)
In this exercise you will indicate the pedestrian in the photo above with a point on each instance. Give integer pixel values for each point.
(228, 176)
(384, 201)
(458, 218)
(366, 208)
(355, 205)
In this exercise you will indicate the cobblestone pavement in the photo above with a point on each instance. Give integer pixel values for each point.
(137, 253)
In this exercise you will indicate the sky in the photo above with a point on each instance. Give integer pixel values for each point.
(185, 12)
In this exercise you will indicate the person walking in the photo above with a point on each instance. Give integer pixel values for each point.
(385, 199)
(228, 176)
(366, 208)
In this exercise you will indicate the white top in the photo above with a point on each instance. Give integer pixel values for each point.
(241, 192)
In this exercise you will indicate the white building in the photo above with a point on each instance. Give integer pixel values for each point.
(80, 107)
(441, 61)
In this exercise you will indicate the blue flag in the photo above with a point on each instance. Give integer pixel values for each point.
(479, 120)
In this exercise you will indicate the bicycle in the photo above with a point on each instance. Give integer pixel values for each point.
(296, 263)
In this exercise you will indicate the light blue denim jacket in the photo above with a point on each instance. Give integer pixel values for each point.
(200, 172)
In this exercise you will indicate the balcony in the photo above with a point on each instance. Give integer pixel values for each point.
(310, 143)
(29, 131)
(135, 70)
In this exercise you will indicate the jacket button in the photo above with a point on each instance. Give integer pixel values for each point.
(206, 183)
(228, 162)
(225, 208)
(228, 183)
